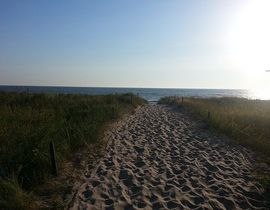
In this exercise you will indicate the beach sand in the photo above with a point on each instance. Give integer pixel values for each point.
(159, 158)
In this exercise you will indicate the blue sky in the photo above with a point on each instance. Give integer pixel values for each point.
(136, 43)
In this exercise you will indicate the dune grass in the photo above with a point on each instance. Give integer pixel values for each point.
(246, 121)
(28, 122)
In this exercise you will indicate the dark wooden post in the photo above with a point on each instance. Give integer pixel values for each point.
(182, 100)
(53, 159)
(113, 112)
(232, 125)
(208, 115)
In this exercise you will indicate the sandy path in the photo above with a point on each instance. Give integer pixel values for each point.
(158, 159)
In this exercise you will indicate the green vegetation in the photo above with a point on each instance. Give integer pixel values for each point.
(246, 121)
(14, 197)
(28, 122)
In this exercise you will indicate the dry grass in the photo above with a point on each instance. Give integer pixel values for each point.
(28, 122)
(246, 121)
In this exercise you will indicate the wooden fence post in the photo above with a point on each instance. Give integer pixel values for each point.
(182, 100)
(53, 159)
(232, 125)
(208, 115)
(113, 112)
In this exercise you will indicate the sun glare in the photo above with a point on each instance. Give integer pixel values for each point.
(263, 94)
(249, 41)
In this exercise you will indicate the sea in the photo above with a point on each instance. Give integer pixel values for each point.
(150, 94)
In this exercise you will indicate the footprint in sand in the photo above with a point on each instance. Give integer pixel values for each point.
(160, 159)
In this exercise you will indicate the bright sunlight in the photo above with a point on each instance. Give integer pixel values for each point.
(249, 43)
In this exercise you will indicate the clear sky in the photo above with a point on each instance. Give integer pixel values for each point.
(135, 43)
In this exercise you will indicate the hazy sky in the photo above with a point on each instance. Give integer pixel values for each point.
(135, 43)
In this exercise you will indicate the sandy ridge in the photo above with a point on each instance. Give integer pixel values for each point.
(159, 159)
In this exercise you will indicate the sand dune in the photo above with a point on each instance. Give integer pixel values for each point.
(160, 159)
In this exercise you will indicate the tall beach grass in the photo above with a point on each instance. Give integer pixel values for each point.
(246, 121)
(29, 122)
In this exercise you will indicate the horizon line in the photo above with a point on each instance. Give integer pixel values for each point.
(131, 87)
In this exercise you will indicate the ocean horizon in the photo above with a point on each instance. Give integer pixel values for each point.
(150, 94)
